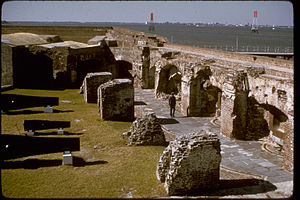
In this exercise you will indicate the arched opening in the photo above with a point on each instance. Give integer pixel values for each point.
(276, 121)
(124, 69)
(212, 96)
(205, 98)
(257, 125)
(276, 124)
(169, 80)
(34, 71)
(88, 66)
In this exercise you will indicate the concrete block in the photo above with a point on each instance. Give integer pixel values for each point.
(30, 133)
(67, 158)
(60, 131)
(48, 109)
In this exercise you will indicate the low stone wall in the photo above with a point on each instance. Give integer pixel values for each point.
(91, 83)
(116, 100)
(190, 164)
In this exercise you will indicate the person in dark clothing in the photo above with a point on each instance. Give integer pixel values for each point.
(172, 104)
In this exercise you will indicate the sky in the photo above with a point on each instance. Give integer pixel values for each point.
(226, 12)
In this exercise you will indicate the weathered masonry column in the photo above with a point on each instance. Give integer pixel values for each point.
(194, 95)
(116, 100)
(145, 67)
(288, 144)
(91, 83)
(185, 94)
(190, 164)
(234, 105)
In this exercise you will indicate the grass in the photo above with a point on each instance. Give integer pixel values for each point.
(74, 33)
(111, 170)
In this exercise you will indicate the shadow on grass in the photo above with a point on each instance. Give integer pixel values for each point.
(80, 162)
(55, 133)
(26, 112)
(38, 163)
(237, 187)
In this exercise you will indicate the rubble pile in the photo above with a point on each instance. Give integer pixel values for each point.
(190, 164)
(146, 131)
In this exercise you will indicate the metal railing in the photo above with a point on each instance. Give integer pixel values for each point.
(233, 48)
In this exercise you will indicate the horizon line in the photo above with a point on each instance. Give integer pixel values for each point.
(167, 22)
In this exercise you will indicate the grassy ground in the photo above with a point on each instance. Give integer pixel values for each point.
(74, 33)
(108, 168)
(103, 168)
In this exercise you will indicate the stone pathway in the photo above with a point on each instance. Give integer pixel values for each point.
(247, 157)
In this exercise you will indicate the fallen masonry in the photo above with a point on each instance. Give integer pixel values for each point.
(190, 164)
(146, 131)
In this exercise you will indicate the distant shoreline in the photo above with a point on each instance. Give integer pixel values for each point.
(226, 38)
(69, 23)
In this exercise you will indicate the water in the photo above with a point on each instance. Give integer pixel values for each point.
(228, 38)
(224, 37)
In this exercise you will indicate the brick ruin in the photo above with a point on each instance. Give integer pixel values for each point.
(251, 96)
(190, 164)
(53, 65)
(116, 100)
(91, 83)
(145, 131)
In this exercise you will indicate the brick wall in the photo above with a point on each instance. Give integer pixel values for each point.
(116, 100)
(191, 163)
(91, 83)
(6, 64)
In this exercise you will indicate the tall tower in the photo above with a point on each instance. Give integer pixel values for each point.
(151, 23)
(254, 26)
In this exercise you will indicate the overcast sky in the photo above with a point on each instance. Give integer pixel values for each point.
(233, 12)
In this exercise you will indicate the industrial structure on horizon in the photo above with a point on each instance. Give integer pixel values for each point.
(254, 26)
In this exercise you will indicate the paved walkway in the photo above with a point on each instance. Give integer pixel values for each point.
(248, 157)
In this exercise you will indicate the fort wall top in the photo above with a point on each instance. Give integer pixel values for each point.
(225, 55)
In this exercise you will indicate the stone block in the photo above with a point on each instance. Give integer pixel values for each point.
(67, 158)
(190, 164)
(48, 109)
(116, 100)
(91, 83)
(60, 131)
(30, 133)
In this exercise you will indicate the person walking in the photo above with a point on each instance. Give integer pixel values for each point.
(172, 104)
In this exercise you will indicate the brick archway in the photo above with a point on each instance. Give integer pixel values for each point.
(169, 80)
